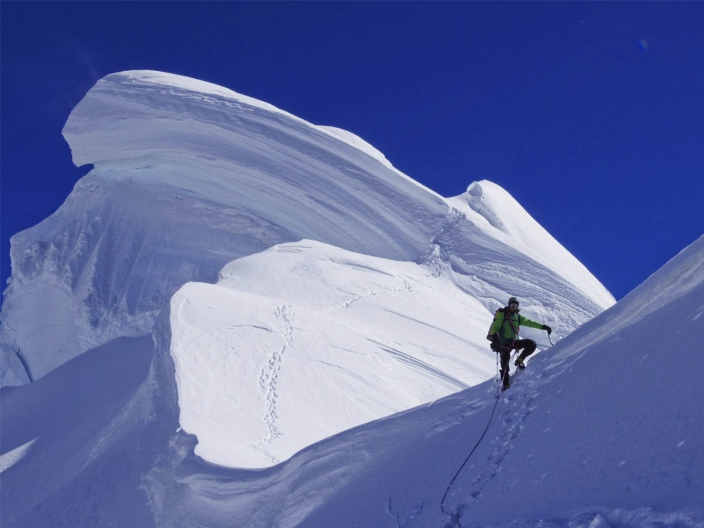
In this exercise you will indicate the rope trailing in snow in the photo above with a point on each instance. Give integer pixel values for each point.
(442, 503)
(498, 397)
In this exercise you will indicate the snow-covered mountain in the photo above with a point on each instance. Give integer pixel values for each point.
(188, 176)
(231, 284)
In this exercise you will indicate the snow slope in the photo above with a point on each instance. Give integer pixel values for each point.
(306, 340)
(602, 430)
(188, 176)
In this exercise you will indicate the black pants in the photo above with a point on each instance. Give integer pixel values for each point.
(526, 346)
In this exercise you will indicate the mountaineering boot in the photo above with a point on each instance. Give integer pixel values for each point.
(519, 362)
(505, 384)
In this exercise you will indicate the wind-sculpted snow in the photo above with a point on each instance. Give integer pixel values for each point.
(306, 340)
(188, 176)
(372, 337)
(491, 210)
(385, 307)
(602, 430)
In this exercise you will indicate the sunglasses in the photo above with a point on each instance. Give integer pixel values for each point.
(514, 304)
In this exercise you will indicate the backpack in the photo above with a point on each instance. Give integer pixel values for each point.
(494, 344)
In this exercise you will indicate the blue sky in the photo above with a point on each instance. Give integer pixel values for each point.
(590, 114)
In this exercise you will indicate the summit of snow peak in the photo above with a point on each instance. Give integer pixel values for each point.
(495, 212)
(143, 94)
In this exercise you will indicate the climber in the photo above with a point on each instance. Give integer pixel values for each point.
(504, 337)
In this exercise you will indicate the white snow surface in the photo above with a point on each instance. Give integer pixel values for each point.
(294, 284)
(188, 176)
(602, 430)
(305, 340)
(493, 211)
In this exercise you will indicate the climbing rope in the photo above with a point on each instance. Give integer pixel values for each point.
(442, 503)
(498, 397)
(491, 417)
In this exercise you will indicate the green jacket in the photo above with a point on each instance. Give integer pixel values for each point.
(502, 326)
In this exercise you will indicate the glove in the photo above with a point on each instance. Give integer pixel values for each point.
(547, 329)
(494, 342)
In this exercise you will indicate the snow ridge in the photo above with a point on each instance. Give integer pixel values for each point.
(389, 300)
(189, 176)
